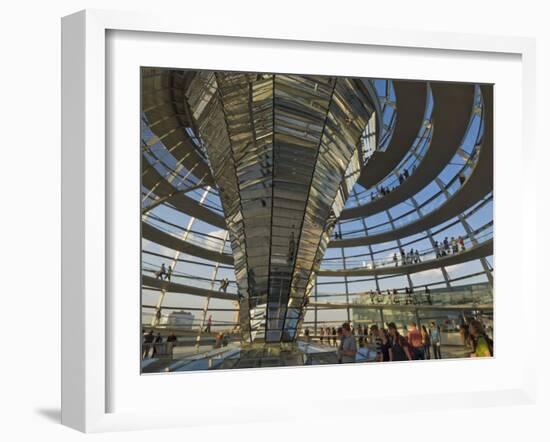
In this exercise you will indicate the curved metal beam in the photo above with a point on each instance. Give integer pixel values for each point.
(174, 287)
(476, 252)
(411, 106)
(478, 185)
(452, 110)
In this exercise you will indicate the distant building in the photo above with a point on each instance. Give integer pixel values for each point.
(179, 318)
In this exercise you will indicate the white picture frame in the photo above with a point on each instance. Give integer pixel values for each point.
(86, 215)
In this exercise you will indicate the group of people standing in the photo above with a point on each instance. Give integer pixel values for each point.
(162, 273)
(394, 296)
(151, 344)
(342, 337)
(390, 345)
(412, 257)
(449, 247)
(384, 190)
(414, 344)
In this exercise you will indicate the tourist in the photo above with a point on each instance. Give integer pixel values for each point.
(385, 348)
(409, 298)
(395, 259)
(171, 343)
(208, 327)
(219, 338)
(360, 339)
(446, 245)
(426, 342)
(377, 341)
(462, 179)
(406, 173)
(414, 336)
(339, 335)
(427, 292)
(223, 285)
(147, 344)
(399, 349)
(417, 256)
(156, 344)
(461, 244)
(168, 275)
(348, 346)
(436, 250)
(454, 245)
(160, 274)
(334, 336)
(483, 345)
(321, 334)
(435, 338)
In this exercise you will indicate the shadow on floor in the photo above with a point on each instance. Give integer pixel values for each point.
(51, 414)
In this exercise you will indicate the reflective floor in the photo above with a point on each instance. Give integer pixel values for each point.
(300, 353)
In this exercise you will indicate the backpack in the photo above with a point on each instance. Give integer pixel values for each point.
(489, 342)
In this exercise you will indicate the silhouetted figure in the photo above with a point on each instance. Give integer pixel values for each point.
(208, 327)
(223, 285)
(156, 344)
(461, 244)
(147, 343)
(160, 274)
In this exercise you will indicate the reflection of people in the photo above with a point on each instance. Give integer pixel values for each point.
(169, 273)
(251, 281)
(291, 247)
(348, 345)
